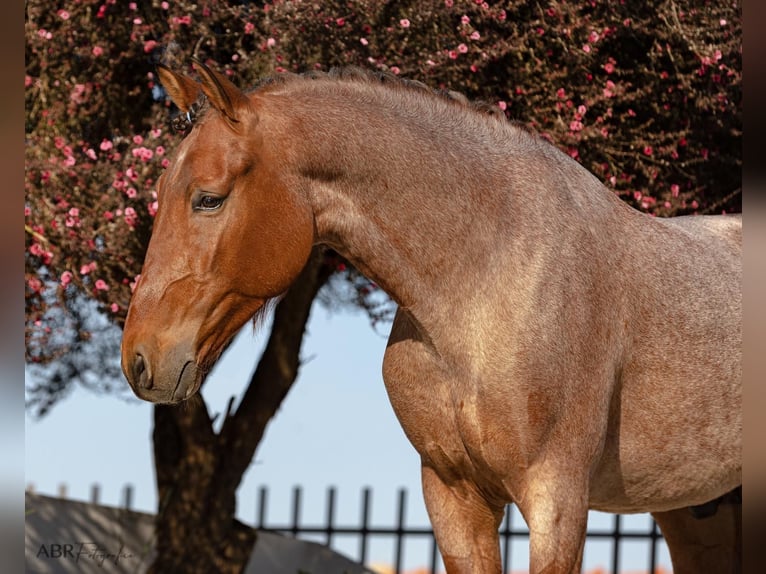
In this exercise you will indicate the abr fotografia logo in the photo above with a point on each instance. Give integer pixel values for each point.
(82, 551)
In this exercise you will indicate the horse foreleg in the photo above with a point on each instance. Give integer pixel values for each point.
(556, 511)
(465, 525)
(712, 544)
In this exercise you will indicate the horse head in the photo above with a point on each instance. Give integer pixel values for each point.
(230, 234)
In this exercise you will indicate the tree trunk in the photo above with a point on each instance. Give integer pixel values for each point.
(199, 470)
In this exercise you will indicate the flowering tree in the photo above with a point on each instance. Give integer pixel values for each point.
(645, 95)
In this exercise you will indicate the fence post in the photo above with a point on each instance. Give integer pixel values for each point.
(365, 522)
(128, 497)
(616, 536)
(262, 494)
(330, 514)
(400, 530)
(296, 510)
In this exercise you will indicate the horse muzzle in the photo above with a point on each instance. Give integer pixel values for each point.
(174, 378)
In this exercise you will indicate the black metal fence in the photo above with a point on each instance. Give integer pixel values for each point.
(329, 529)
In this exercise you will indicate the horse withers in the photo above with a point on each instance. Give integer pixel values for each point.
(552, 347)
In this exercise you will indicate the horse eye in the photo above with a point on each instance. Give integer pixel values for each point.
(209, 203)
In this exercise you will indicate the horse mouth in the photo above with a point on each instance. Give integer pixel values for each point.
(189, 381)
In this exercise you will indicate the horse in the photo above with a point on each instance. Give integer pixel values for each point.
(552, 346)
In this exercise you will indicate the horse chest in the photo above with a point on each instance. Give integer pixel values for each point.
(456, 429)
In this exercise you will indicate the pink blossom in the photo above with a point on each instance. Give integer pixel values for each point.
(137, 21)
(249, 28)
(35, 284)
(462, 48)
(159, 150)
(561, 93)
(475, 35)
(575, 126)
(165, 5)
(465, 19)
(144, 153)
(133, 6)
(153, 208)
(90, 152)
(149, 45)
(114, 307)
(637, 195)
(395, 70)
(28, 81)
(593, 37)
(108, 215)
(586, 48)
(43, 33)
(449, 3)
(648, 150)
(63, 14)
(452, 55)
(404, 23)
(722, 21)
(609, 67)
(131, 192)
(70, 161)
(85, 269)
(340, 22)
(131, 217)
(101, 285)
(97, 51)
(271, 42)
(66, 278)
(138, 139)
(581, 110)
(674, 189)
(363, 41)
(27, 211)
(502, 105)
(105, 145)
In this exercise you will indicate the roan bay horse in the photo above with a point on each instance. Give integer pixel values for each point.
(553, 347)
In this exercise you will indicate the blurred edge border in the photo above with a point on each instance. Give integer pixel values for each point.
(11, 290)
(11, 234)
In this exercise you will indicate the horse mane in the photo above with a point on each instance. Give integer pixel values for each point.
(183, 122)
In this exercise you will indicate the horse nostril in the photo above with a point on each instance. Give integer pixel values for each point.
(141, 375)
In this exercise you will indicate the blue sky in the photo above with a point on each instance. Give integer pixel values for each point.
(335, 428)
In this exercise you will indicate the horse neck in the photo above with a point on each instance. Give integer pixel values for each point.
(425, 195)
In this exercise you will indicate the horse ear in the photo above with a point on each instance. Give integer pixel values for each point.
(181, 89)
(222, 94)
